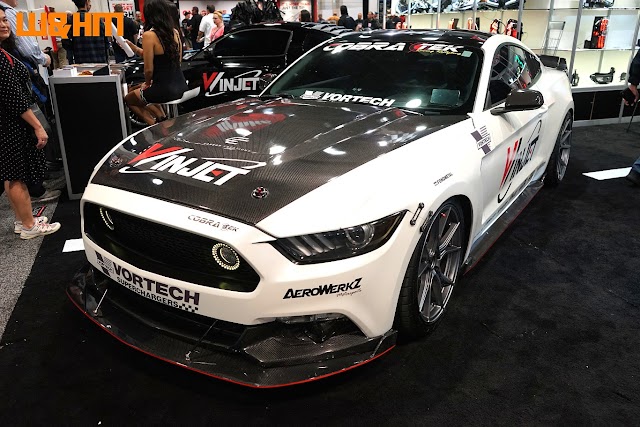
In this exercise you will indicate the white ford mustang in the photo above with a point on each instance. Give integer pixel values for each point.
(283, 238)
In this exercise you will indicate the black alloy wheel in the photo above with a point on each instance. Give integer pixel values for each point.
(559, 159)
(432, 272)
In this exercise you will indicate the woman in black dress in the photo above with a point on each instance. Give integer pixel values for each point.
(22, 138)
(162, 53)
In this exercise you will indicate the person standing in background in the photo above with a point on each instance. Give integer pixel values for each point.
(86, 49)
(130, 33)
(185, 32)
(193, 27)
(26, 45)
(371, 22)
(206, 25)
(22, 138)
(345, 20)
(218, 30)
(305, 16)
(634, 81)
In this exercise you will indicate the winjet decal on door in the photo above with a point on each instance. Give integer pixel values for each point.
(517, 158)
(216, 85)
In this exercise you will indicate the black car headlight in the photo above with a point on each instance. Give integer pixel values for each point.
(339, 244)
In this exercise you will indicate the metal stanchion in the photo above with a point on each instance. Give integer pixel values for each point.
(633, 115)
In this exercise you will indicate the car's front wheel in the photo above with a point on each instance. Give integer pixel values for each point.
(432, 272)
(557, 166)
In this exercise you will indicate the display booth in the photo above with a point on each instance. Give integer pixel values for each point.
(91, 120)
(597, 38)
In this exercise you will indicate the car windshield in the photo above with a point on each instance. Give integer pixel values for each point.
(430, 78)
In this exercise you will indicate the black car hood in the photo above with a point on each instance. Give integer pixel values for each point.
(247, 159)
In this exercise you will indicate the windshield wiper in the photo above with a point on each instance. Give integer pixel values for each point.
(277, 95)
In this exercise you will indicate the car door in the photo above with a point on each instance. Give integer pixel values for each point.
(230, 67)
(508, 141)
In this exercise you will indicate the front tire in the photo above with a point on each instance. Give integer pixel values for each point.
(557, 166)
(432, 272)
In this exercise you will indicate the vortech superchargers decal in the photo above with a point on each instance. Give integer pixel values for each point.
(162, 293)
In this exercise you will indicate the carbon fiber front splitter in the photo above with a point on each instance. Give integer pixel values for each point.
(263, 356)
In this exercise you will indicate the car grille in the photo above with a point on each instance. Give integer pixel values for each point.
(165, 250)
(193, 327)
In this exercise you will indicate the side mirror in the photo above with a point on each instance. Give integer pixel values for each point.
(520, 100)
(265, 80)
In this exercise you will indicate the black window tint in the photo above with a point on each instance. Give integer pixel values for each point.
(510, 70)
(313, 39)
(262, 42)
(534, 65)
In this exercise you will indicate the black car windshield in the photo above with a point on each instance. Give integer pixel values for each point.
(427, 77)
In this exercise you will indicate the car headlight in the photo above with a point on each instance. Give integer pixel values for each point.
(339, 244)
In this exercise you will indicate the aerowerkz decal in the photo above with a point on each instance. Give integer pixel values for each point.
(338, 97)
(204, 169)
(445, 49)
(517, 158)
(342, 290)
(170, 295)
(339, 47)
(215, 84)
(483, 139)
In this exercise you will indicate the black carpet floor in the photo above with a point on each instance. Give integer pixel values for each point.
(545, 330)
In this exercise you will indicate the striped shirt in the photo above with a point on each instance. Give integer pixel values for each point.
(27, 45)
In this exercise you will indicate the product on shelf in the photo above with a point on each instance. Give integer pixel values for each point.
(598, 33)
(473, 26)
(603, 78)
(575, 78)
(453, 24)
(598, 3)
(623, 77)
(494, 28)
(511, 29)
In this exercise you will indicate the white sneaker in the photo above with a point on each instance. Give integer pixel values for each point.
(17, 225)
(39, 229)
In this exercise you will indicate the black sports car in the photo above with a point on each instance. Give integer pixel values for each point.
(231, 67)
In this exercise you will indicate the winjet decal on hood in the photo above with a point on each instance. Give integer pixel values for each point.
(183, 160)
(338, 97)
(339, 47)
(167, 160)
(216, 85)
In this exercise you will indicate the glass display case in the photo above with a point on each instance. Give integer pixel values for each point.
(598, 39)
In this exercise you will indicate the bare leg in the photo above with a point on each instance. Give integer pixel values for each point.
(156, 110)
(20, 202)
(138, 106)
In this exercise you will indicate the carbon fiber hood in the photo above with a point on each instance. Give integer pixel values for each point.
(247, 159)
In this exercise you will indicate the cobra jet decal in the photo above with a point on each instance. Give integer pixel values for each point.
(215, 84)
(206, 169)
(338, 97)
(339, 47)
(517, 158)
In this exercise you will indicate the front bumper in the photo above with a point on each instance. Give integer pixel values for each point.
(268, 355)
